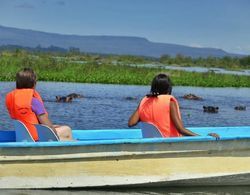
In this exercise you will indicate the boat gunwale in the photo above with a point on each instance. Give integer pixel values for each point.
(116, 141)
(119, 141)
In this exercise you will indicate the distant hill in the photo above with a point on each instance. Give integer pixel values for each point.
(119, 45)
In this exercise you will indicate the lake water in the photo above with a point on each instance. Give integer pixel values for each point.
(108, 106)
(201, 69)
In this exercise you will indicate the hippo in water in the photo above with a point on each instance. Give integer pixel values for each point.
(64, 99)
(210, 109)
(130, 98)
(240, 107)
(75, 95)
(68, 98)
(191, 96)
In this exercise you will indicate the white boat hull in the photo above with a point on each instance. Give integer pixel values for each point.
(224, 162)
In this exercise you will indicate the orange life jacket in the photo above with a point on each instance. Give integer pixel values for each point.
(18, 103)
(156, 110)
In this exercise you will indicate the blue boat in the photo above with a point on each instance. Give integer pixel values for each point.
(122, 157)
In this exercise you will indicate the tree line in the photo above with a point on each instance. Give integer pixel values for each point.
(227, 62)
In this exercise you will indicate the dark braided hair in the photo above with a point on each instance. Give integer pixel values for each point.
(161, 84)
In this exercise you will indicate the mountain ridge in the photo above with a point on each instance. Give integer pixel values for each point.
(103, 44)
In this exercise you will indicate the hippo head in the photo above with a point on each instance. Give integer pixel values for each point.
(210, 109)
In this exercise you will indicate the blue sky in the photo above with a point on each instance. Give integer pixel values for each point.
(221, 24)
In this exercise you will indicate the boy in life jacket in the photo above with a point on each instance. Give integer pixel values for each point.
(25, 104)
(161, 109)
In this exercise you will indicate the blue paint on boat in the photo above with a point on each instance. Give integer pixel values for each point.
(107, 134)
(7, 136)
(128, 136)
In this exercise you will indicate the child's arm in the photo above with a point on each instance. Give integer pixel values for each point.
(38, 108)
(178, 122)
(134, 118)
(179, 125)
(44, 120)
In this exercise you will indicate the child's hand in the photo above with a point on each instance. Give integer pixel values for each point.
(214, 135)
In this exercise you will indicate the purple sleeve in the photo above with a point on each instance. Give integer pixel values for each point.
(37, 106)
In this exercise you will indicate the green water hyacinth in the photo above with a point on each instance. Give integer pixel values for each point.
(49, 68)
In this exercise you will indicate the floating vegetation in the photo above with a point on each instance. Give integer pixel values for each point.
(48, 68)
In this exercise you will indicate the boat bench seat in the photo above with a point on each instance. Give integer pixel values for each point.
(23, 135)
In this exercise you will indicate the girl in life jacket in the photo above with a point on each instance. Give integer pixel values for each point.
(25, 104)
(161, 109)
